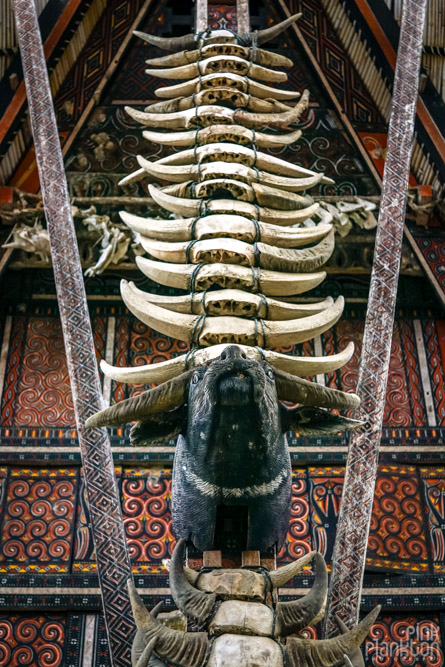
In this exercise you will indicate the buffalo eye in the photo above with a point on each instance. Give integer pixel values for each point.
(195, 378)
(269, 373)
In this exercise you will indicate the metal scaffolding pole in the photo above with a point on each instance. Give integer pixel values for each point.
(113, 562)
(358, 492)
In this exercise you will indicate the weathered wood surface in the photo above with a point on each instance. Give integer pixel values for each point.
(355, 514)
(103, 499)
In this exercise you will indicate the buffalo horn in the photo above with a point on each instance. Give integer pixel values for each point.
(328, 652)
(193, 603)
(294, 616)
(188, 118)
(263, 36)
(356, 658)
(222, 169)
(298, 390)
(192, 207)
(226, 300)
(218, 64)
(259, 56)
(187, 649)
(234, 251)
(231, 226)
(166, 370)
(160, 399)
(284, 574)
(229, 328)
(146, 659)
(168, 43)
(274, 119)
(246, 155)
(219, 132)
(270, 283)
(238, 83)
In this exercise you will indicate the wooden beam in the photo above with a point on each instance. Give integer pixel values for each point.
(112, 557)
(243, 16)
(202, 15)
(351, 542)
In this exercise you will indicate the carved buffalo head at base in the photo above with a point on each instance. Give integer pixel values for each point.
(231, 449)
(239, 625)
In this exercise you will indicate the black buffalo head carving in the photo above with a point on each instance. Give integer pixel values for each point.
(231, 449)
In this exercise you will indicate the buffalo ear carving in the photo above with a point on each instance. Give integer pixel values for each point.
(159, 428)
(315, 421)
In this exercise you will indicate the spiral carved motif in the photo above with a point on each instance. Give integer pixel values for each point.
(32, 640)
(38, 523)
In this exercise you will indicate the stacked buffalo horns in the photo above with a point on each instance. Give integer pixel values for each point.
(235, 241)
(236, 245)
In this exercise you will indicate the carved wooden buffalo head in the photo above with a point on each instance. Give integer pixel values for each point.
(231, 449)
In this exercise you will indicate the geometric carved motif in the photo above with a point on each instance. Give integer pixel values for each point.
(336, 65)
(412, 370)
(398, 410)
(43, 387)
(222, 17)
(432, 247)
(436, 367)
(325, 496)
(353, 525)
(298, 539)
(47, 523)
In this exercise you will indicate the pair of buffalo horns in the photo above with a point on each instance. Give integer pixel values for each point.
(171, 395)
(204, 330)
(189, 41)
(167, 370)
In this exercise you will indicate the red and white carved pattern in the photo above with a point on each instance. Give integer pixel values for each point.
(298, 538)
(32, 640)
(44, 393)
(146, 507)
(112, 556)
(353, 526)
(38, 522)
(405, 642)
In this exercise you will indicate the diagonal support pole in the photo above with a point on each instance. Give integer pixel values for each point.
(358, 493)
(113, 562)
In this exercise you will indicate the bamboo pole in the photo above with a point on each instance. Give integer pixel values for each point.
(113, 562)
(358, 492)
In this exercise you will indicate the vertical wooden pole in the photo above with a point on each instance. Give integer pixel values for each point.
(202, 15)
(243, 16)
(358, 493)
(113, 562)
